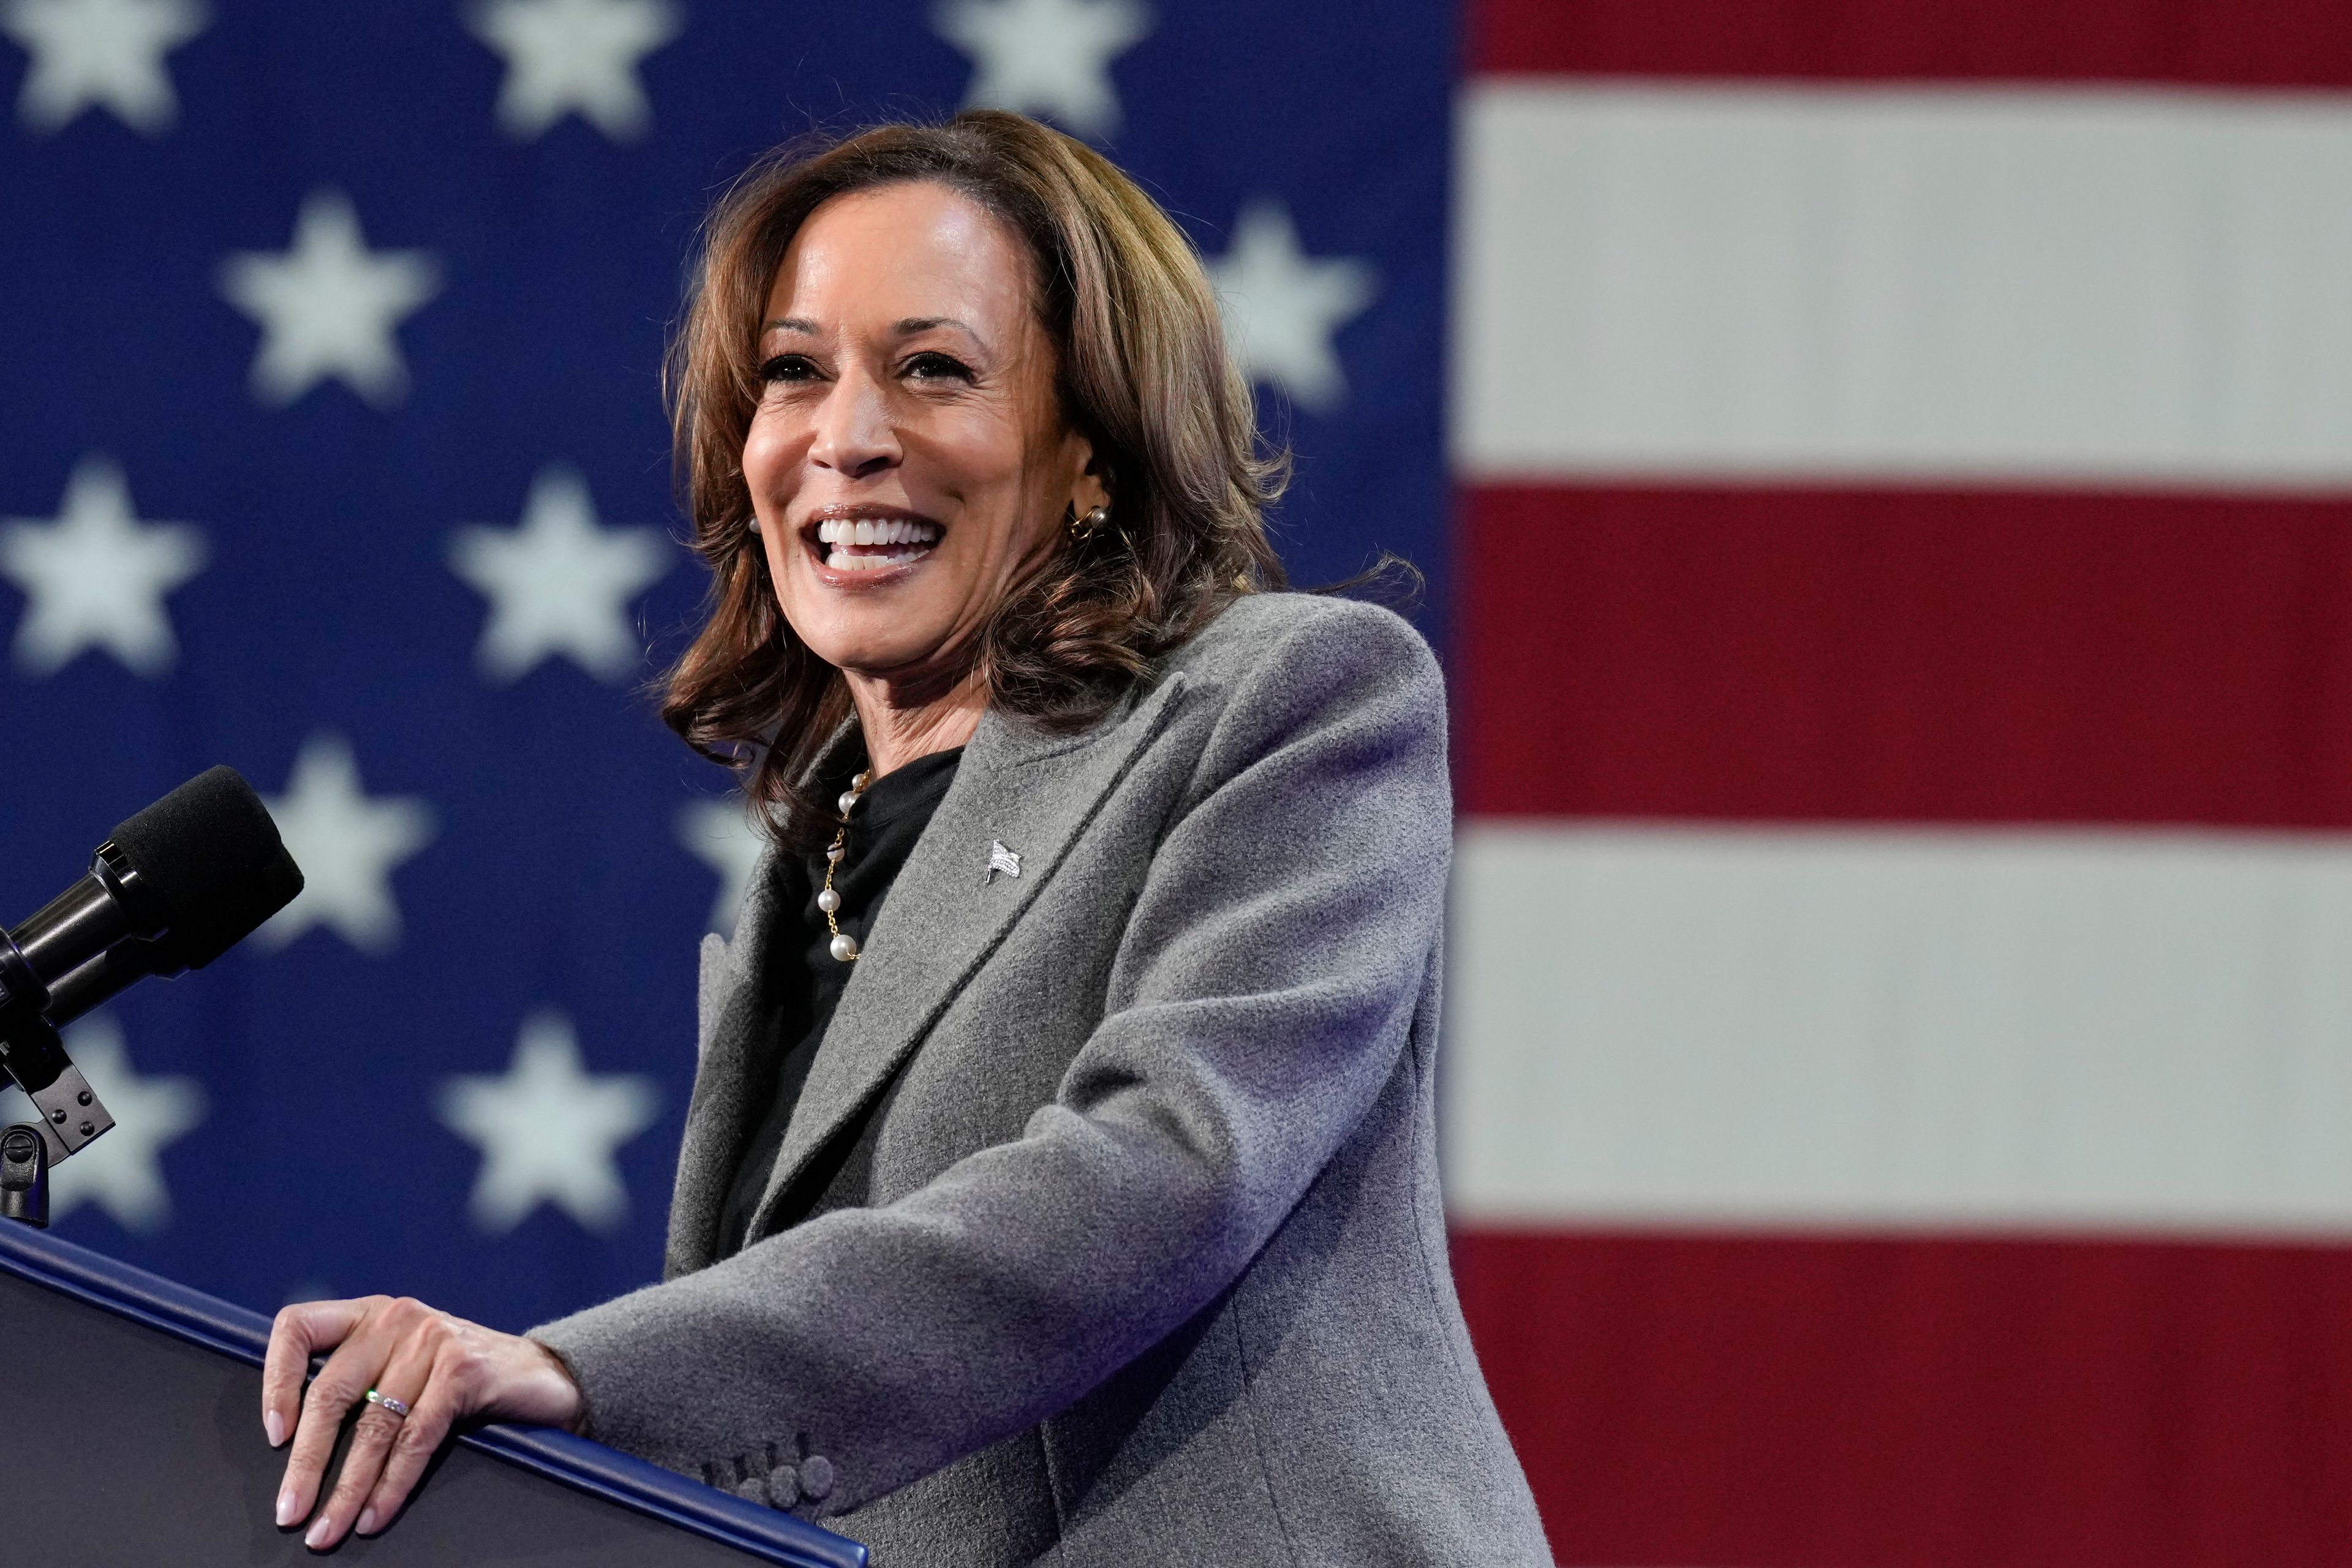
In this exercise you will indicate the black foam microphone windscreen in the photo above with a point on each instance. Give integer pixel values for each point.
(174, 889)
(211, 837)
(234, 914)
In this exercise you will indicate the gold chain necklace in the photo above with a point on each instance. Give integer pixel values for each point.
(843, 946)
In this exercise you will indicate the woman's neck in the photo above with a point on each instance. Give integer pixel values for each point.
(902, 724)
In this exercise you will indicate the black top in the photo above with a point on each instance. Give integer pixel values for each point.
(805, 981)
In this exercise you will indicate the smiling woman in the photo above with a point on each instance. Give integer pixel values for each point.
(930, 448)
(1042, 356)
(1060, 1181)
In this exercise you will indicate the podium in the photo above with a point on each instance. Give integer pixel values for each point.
(131, 1434)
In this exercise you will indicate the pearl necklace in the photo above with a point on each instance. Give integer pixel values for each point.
(844, 947)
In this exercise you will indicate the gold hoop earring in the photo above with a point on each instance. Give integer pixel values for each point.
(1087, 527)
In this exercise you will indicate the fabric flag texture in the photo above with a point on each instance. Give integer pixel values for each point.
(1902, 1023)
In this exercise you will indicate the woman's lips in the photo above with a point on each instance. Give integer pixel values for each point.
(872, 544)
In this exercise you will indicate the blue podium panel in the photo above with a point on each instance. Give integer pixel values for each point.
(131, 1426)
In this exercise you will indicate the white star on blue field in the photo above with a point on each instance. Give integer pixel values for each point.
(95, 577)
(1282, 306)
(327, 306)
(559, 584)
(348, 843)
(108, 54)
(574, 57)
(547, 1129)
(1046, 57)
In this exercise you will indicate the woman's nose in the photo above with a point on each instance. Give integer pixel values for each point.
(854, 432)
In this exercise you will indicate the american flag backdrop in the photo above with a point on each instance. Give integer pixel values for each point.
(1901, 1047)
(1879, 468)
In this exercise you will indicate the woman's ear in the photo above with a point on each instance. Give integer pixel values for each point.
(1093, 486)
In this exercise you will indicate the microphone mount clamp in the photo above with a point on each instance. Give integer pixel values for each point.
(32, 1053)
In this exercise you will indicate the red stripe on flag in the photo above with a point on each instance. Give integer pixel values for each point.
(1905, 656)
(1858, 1403)
(2238, 43)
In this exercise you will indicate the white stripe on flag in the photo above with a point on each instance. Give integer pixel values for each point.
(1861, 1028)
(2077, 285)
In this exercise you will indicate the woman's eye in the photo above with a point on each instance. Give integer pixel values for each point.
(933, 367)
(788, 367)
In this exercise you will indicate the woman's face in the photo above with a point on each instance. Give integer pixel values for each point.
(907, 456)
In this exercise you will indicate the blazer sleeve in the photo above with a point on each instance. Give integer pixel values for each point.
(1262, 994)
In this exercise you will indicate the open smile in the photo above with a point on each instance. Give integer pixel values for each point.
(870, 537)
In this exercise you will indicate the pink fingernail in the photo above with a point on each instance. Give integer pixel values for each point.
(318, 1536)
(366, 1525)
(287, 1512)
(275, 1424)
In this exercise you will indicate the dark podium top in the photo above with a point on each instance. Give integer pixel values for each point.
(130, 1433)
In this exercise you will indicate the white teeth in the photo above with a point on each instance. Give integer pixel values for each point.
(873, 532)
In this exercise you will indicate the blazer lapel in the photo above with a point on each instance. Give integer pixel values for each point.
(733, 1050)
(727, 1106)
(1028, 794)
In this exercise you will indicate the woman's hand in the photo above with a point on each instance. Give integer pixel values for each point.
(443, 1369)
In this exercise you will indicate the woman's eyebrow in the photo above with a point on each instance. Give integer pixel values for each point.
(906, 327)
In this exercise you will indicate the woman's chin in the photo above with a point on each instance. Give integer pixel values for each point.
(870, 639)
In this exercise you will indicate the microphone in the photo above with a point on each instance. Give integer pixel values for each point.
(171, 889)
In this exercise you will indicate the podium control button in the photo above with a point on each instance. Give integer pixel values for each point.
(816, 1477)
(753, 1489)
(784, 1487)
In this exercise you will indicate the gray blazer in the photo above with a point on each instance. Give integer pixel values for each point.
(1143, 1260)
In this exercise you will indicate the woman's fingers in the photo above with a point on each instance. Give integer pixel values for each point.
(375, 1437)
(436, 1411)
(300, 1332)
(371, 1439)
(349, 1373)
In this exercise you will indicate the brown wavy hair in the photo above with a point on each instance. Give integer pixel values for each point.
(1143, 374)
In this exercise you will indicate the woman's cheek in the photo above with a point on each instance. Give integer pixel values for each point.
(779, 561)
(773, 449)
